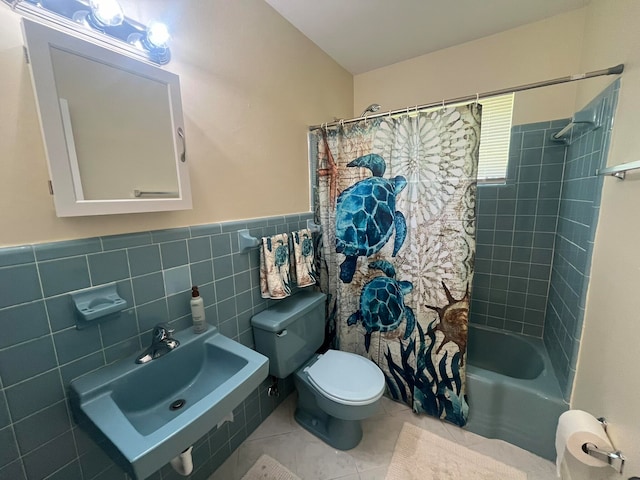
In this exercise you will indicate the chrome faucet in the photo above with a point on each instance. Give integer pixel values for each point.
(161, 343)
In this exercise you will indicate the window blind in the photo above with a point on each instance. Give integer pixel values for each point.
(495, 137)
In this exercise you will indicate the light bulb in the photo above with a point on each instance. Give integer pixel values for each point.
(158, 34)
(107, 12)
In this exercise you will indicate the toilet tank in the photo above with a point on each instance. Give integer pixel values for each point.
(290, 331)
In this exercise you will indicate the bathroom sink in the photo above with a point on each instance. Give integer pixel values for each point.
(152, 412)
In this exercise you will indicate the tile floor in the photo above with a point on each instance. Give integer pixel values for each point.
(280, 437)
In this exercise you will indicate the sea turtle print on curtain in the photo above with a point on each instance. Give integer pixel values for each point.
(366, 215)
(396, 199)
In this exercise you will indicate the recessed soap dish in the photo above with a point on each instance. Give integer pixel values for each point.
(97, 302)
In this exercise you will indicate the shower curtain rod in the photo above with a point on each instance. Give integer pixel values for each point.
(618, 69)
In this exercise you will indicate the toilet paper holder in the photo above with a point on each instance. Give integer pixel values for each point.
(614, 459)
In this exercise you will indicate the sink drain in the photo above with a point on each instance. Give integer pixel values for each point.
(178, 404)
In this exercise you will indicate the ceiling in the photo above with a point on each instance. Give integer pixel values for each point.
(362, 35)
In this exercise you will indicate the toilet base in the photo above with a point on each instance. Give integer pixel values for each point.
(340, 434)
(337, 425)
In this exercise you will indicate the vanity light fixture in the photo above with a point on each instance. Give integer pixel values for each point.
(103, 21)
(155, 41)
(105, 13)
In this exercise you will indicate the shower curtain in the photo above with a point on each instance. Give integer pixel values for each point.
(395, 197)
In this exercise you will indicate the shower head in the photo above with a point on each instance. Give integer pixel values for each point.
(374, 107)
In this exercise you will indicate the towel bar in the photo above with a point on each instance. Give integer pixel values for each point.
(246, 242)
(619, 171)
(313, 227)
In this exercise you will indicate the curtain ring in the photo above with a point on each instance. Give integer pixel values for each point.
(477, 98)
(416, 108)
(342, 123)
(443, 104)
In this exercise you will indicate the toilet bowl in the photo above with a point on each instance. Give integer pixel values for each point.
(336, 390)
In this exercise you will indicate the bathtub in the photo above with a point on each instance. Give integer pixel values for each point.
(512, 391)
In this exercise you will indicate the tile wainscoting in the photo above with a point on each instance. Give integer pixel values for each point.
(41, 351)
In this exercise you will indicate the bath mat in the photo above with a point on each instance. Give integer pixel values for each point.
(422, 455)
(266, 468)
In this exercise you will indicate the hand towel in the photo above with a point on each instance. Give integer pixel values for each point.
(275, 279)
(304, 265)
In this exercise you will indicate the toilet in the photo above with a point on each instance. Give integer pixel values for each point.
(336, 390)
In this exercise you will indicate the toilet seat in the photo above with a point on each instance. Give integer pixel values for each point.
(347, 378)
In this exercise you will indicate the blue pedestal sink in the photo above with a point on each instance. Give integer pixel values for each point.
(152, 412)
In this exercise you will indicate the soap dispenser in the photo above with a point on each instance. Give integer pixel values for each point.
(197, 311)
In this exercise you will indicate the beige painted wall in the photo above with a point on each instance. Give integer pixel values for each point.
(531, 53)
(606, 381)
(251, 84)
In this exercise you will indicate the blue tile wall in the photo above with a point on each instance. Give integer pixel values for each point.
(515, 235)
(41, 351)
(577, 221)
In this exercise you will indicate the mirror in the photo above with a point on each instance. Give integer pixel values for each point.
(112, 127)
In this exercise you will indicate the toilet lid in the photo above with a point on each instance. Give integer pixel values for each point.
(347, 378)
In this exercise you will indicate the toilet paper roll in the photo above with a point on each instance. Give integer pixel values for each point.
(575, 428)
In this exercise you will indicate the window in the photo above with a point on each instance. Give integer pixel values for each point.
(495, 136)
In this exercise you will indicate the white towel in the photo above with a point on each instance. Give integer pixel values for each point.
(304, 265)
(275, 281)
